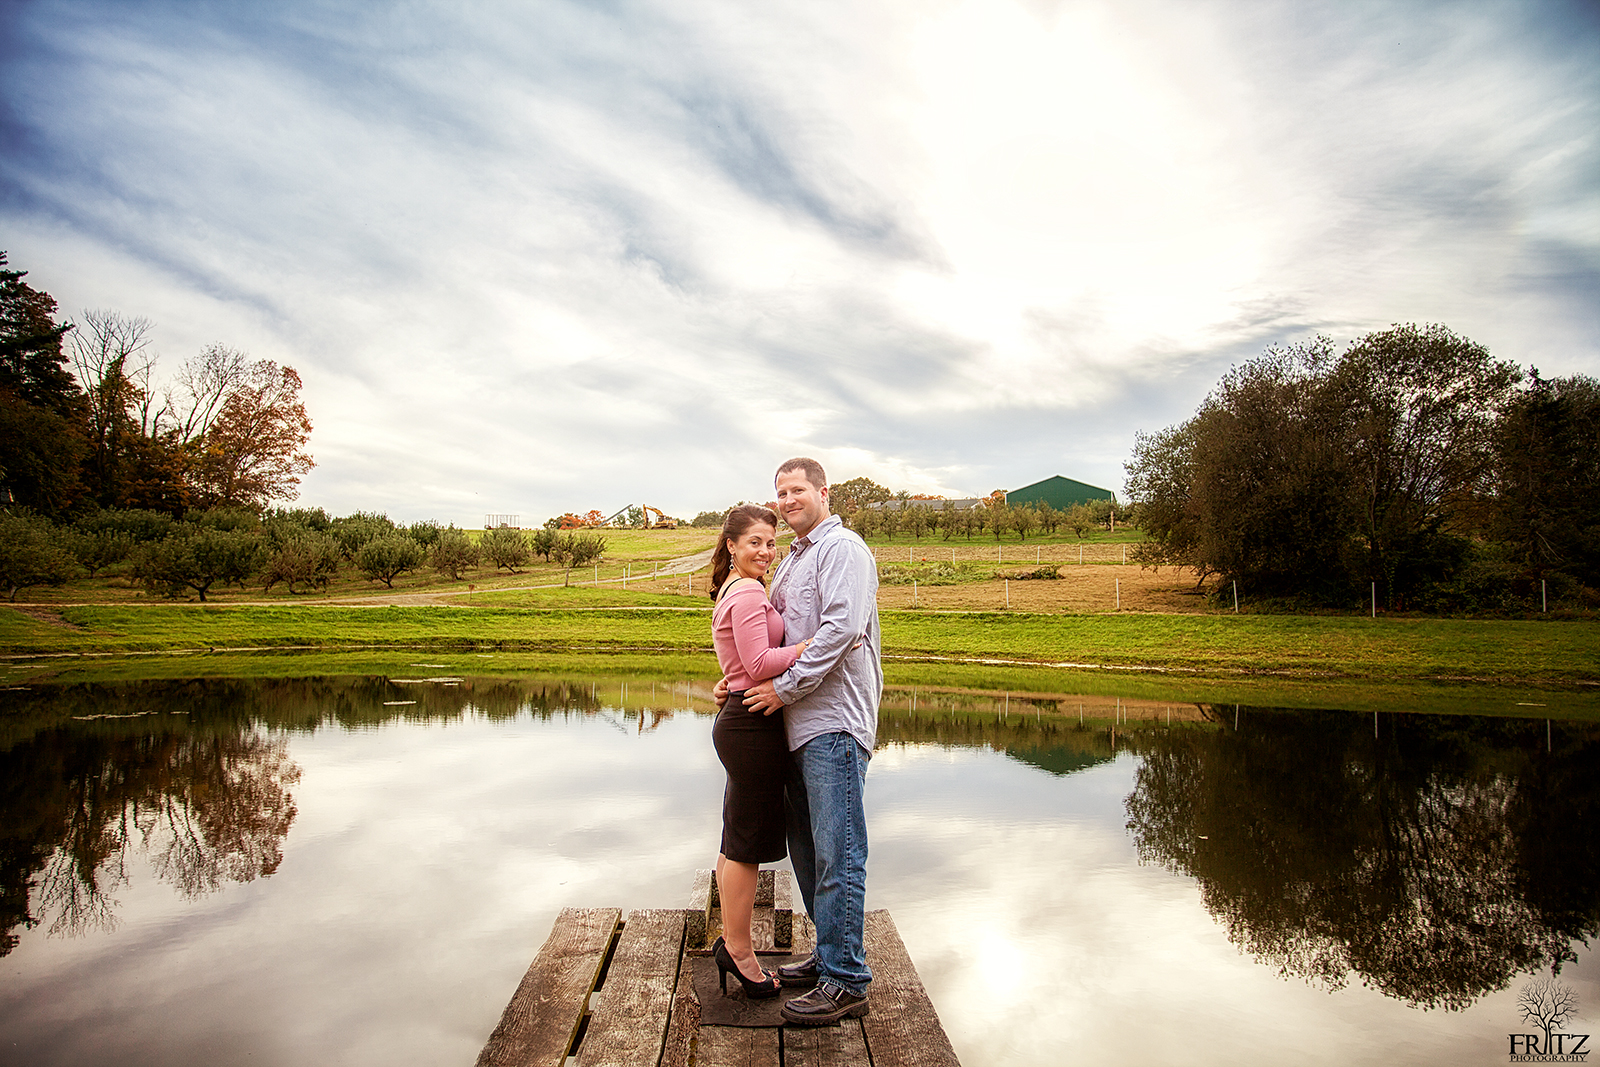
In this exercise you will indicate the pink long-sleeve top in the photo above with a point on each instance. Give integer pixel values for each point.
(747, 633)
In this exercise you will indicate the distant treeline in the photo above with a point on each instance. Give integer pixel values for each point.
(299, 548)
(928, 517)
(1412, 468)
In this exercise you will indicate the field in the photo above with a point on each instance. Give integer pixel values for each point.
(945, 605)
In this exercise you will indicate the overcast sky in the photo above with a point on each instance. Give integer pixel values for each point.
(533, 257)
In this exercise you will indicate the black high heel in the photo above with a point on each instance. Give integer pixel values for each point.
(759, 990)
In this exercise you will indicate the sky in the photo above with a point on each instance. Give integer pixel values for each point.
(538, 257)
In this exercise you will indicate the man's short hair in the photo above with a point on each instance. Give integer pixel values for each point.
(812, 469)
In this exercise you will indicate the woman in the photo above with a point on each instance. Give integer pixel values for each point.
(748, 636)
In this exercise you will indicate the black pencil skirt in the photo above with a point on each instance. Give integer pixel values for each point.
(755, 753)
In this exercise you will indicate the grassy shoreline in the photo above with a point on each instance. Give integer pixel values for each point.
(1548, 653)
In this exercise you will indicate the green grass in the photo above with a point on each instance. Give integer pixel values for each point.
(1020, 686)
(1546, 653)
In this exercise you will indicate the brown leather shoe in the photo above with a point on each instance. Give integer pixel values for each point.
(800, 975)
(825, 1004)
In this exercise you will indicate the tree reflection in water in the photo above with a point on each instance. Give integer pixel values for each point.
(206, 809)
(1434, 862)
(194, 774)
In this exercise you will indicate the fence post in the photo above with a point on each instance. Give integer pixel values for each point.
(1119, 594)
(1236, 596)
(1374, 601)
(1544, 601)
(913, 592)
(1008, 592)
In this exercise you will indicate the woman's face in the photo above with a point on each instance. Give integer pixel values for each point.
(753, 550)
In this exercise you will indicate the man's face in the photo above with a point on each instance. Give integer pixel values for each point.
(801, 504)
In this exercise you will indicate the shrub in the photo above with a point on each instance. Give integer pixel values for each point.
(505, 547)
(353, 531)
(307, 558)
(453, 553)
(197, 557)
(33, 551)
(387, 557)
(426, 533)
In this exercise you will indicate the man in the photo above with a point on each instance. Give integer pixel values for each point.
(826, 589)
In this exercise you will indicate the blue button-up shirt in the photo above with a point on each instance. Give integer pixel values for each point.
(826, 589)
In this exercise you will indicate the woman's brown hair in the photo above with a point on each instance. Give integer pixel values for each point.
(734, 524)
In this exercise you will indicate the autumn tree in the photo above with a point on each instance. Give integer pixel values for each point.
(254, 450)
(847, 496)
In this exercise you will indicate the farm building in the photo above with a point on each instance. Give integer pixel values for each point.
(1058, 492)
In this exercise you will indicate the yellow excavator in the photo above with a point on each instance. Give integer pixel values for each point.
(663, 521)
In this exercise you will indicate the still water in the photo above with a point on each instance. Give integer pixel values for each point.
(357, 870)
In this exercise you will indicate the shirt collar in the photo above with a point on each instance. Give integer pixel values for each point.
(802, 543)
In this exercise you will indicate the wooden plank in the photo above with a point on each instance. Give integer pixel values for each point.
(538, 1024)
(738, 1046)
(901, 1027)
(827, 1046)
(629, 1027)
(684, 1024)
(699, 914)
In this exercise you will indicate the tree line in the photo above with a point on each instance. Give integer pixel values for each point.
(301, 549)
(921, 516)
(85, 423)
(1412, 468)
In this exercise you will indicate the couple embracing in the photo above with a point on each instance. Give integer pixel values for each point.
(795, 731)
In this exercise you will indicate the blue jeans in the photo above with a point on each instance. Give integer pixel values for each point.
(827, 827)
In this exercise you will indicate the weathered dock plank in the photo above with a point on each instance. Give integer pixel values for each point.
(629, 1026)
(618, 991)
(901, 1028)
(555, 987)
(684, 1024)
(737, 1046)
(826, 1046)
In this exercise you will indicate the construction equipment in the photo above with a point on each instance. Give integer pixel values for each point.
(663, 521)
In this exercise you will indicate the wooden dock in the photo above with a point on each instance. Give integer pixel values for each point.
(610, 989)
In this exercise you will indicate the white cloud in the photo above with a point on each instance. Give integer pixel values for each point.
(551, 258)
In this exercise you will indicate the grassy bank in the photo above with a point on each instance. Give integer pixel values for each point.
(1521, 652)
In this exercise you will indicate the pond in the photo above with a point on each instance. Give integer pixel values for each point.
(358, 869)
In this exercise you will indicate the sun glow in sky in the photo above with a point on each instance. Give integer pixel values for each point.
(549, 257)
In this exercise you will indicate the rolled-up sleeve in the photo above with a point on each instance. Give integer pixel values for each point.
(845, 581)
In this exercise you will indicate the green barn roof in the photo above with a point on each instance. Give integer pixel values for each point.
(1058, 492)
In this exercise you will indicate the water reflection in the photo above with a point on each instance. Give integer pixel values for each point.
(190, 774)
(1434, 857)
(1434, 861)
(205, 807)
